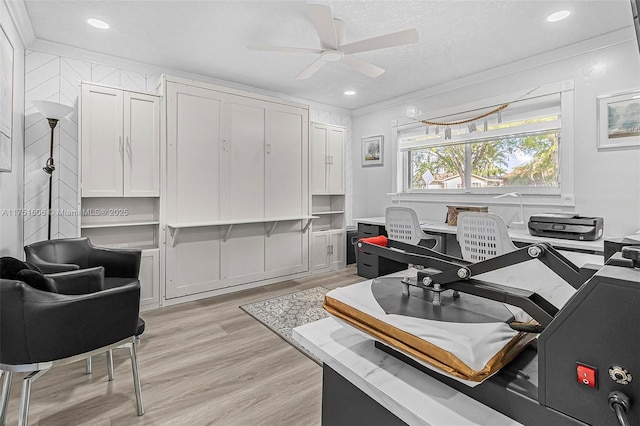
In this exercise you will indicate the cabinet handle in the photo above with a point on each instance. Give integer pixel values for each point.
(225, 145)
(327, 160)
(330, 249)
(268, 148)
(129, 147)
(331, 159)
(120, 146)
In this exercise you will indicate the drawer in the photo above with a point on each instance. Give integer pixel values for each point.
(367, 271)
(366, 230)
(367, 258)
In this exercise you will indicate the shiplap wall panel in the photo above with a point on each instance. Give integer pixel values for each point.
(54, 78)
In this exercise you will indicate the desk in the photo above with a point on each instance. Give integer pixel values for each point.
(413, 397)
(442, 229)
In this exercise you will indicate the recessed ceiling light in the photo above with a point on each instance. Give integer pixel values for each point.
(349, 92)
(558, 16)
(98, 24)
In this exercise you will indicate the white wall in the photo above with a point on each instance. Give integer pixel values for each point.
(53, 73)
(11, 183)
(607, 182)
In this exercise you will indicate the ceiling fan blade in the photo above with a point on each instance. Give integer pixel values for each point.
(381, 42)
(361, 66)
(323, 22)
(269, 48)
(311, 70)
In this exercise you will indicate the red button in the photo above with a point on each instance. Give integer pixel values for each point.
(587, 375)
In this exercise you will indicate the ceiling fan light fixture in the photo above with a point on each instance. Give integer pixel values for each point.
(349, 92)
(558, 16)
(332, 56)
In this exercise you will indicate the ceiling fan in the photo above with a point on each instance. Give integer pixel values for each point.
(333, 49)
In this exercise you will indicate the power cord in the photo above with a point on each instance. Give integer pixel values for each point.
(620, 404)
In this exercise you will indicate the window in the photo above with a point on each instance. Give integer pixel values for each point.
(518, 148)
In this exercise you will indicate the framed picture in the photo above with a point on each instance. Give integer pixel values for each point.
(372, 151)
(619, 120)
(6, 101)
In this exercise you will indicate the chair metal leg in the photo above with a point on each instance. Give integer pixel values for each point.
(136, 377)
(25, 396)
(89, 365)
(4, 399)
(110, 365)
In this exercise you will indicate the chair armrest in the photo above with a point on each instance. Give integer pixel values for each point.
(47, 267)
(124, 263)
(81, 281)
(59, 326)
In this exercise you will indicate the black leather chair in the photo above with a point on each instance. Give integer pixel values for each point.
(121, 266)
(41, 326)
(67, 254)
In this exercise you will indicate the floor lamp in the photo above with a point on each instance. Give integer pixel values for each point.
(53, 112)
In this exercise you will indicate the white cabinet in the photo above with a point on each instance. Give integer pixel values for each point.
(150, 278)
(120, 143)
(327, 159)
(328, 250)
(237, 188)
(120, 176)
(327, 197)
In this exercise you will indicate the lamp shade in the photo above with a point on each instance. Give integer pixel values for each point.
(52, 109)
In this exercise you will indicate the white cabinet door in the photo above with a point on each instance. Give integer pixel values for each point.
(242, 254)
(193, 265)
(193, 153)
(286, 164)
(286, 249)
(150, 278)
(320, 251)
(142, 145)
(319, 158)
(327, 159)
(337, 249)
(335, 178)
(242, 165)
(102, 142)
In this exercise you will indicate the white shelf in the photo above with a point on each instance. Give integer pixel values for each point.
(176, 226)
(331, 212)
(118, 225)
(226, 222)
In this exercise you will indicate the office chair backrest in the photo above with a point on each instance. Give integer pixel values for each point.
(482, 236)
(402, 224)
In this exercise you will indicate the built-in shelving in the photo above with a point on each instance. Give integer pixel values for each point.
(229, 223)
(118, 225)
(328, 232)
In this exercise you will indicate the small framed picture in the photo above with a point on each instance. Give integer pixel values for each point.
(372, 151)
(619, 120)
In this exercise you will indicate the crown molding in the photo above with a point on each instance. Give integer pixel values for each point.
(20, 17)
(605, 41)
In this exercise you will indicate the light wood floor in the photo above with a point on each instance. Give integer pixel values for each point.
(202, 363)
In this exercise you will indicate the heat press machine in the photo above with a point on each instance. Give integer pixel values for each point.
(582, 366)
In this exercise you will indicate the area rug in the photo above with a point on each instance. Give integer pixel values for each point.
(284, 313)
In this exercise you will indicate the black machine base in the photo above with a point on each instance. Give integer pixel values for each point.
(513, 391)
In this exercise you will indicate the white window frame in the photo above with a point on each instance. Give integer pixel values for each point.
(562, 195)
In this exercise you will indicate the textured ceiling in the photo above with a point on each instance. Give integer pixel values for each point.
(457, 38)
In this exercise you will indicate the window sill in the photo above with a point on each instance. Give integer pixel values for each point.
(543, 200)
